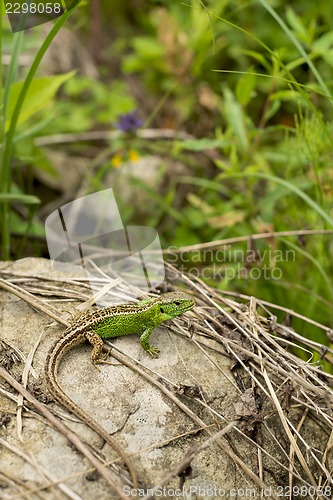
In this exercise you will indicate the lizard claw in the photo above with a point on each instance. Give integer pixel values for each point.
(154, 351)
(102, 359)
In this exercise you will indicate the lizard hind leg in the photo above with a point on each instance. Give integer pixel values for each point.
(97, 344)
(102, 359)
(96, 353)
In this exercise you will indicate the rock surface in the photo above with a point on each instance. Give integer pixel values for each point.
(135, 412)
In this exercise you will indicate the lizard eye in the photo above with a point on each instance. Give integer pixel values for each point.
(162, 310)
(177, 303)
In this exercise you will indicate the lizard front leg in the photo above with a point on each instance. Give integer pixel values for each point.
(153, 351)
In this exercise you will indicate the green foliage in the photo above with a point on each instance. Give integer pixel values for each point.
(39, 95)
(14, 107)
(88, 103)
(251, 82)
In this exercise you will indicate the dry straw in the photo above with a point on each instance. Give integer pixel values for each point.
(281, 397)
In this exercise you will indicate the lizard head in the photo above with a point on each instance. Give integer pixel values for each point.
(174, 304)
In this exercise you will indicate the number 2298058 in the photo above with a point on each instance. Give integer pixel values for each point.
(33, 8)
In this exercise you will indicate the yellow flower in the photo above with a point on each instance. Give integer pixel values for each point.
(133, 156)
(116, 160)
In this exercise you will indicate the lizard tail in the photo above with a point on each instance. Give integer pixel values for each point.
(51, 368)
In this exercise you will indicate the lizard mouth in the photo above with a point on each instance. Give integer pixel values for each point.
(187, 307)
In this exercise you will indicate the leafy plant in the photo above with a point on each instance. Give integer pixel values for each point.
(251, 83)
(15, 109)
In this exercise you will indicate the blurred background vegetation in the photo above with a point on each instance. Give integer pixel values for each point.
(211, 120)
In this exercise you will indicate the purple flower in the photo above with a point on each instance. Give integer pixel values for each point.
(129, 121)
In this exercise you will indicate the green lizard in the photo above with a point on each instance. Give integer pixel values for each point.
(111, 322)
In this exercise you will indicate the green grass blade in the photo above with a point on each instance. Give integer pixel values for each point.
(2, 120)
(314, 261)
(25, 199)
(298, 46)
(309, 201)
(7, 154)
(40, 54)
